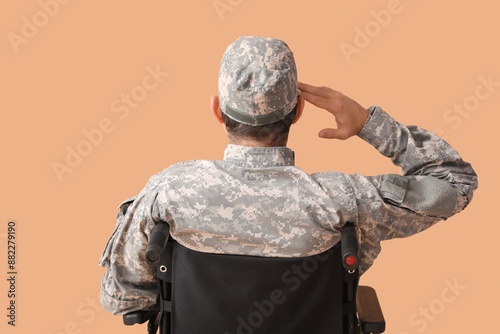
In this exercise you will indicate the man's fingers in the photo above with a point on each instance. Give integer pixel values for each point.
(318, 101)
(313, 90)
(314, 95)
(321, 97)
(324, 92)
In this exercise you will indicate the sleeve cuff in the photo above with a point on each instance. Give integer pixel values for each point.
(378, 128)
(117, 306)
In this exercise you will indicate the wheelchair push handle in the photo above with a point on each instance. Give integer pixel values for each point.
(157, 243)
(349, 247)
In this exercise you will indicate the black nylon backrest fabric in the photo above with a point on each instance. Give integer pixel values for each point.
(233, 294)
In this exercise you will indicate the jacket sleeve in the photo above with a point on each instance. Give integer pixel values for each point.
(435, 184)
(129, 283)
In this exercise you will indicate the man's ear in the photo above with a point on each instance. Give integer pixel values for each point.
(215, 106)
(300, 107)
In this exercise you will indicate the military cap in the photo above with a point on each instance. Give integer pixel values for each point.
(257, 80)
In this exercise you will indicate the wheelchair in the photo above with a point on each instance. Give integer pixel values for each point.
(202, 293)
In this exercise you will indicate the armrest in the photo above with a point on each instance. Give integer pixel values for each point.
(349, 247)
(370, 314)
(138, 317)
(157, 243)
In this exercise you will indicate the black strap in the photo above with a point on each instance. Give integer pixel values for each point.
(166, 306)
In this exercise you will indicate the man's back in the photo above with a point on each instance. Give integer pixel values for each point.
(254, 202)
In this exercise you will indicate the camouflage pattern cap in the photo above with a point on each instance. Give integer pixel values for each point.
(257, 81)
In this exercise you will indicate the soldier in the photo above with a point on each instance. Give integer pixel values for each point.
(256, 202)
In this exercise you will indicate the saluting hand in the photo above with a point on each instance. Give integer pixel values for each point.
(349, 115)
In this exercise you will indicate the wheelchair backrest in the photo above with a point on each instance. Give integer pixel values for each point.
(229, 294)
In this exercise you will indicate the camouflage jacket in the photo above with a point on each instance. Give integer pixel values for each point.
(257, 202)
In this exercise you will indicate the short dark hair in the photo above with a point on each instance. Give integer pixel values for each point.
(274, 134)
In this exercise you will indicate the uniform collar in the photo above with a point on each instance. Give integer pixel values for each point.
(259, 156)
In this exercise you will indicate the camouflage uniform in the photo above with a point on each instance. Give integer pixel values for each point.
(256, 202)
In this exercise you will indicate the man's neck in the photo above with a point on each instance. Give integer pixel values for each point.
(251, 143)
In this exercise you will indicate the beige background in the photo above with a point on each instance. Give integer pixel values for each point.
(61, 76)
